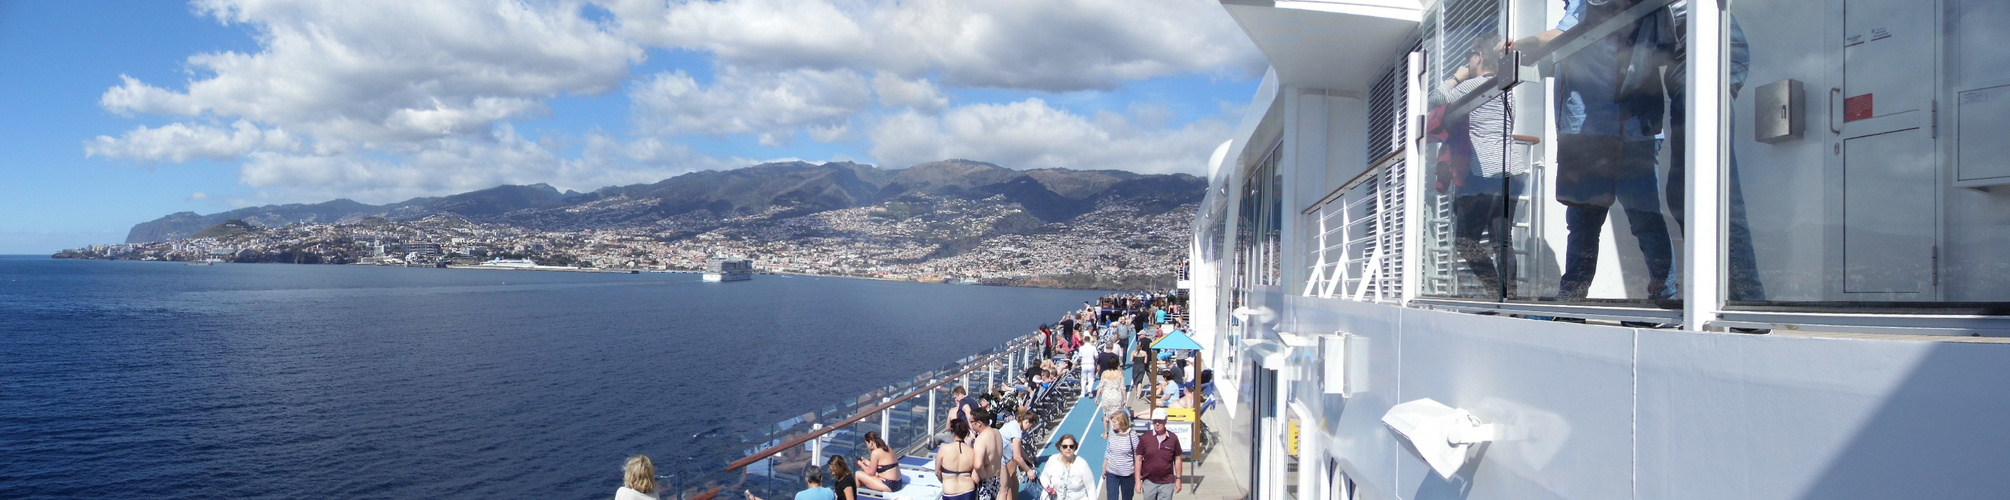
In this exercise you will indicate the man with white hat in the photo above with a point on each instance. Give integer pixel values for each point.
(1159, 460)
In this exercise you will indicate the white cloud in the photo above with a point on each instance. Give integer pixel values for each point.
(1030, 134)
(181, 142)
(1048, 45)
(364, 94)
(897, 92)
(772, 105)
(467, 163)
(380, 100)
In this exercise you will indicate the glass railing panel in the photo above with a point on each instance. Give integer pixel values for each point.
(1553, 159)
(1864, 166)
(767, 468)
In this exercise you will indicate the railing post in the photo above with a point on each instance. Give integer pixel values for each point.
(1701, 285)
(931, 412)
(1012, 361)
(817, 447)
(885, 420)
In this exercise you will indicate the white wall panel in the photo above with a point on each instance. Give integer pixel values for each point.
(1768, 416)
(1561, 393)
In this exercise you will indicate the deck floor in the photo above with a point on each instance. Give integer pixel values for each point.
(1217, 476)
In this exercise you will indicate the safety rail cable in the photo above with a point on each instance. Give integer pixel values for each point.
(863, 414)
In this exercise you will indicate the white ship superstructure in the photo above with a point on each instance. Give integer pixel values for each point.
(1521, 249)
(719, 269)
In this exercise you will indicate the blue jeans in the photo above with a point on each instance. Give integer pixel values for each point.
(1594, 173)
(1117, 487)
(1484, 208)
(1743, 261)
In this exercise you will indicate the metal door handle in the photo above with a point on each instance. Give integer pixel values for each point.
(1832, 111)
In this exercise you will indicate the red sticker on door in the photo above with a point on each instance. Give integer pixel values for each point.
(1856, 108)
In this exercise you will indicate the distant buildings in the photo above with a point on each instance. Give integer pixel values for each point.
(955, 240)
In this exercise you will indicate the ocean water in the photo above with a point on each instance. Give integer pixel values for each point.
(164, 380)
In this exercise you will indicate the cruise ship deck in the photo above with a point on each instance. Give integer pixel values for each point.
(1456, 249)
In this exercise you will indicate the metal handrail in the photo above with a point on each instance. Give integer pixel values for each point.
(862, 415)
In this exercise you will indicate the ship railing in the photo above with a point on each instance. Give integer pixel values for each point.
(906, 415)
(1358, 251)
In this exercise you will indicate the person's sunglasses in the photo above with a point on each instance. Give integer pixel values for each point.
(1067, 447)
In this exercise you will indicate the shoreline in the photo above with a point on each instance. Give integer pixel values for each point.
(616, 271)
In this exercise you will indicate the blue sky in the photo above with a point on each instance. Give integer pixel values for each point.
(119, 112)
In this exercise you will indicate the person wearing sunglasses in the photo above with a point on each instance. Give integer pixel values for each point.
(1067, 477)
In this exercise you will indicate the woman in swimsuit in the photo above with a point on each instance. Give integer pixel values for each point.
(880, 470)
(954, 464)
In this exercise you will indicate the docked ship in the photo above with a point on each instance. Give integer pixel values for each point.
(508, 263)
(721, 269)
(1408, 281)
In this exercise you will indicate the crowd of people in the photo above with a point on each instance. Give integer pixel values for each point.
(992, 442)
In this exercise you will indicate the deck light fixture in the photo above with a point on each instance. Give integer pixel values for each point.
(1441, 434)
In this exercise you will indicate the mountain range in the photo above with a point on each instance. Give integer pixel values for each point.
(1051, 195)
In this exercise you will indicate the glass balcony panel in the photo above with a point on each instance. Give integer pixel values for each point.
(1571, 139)
(1864, 166)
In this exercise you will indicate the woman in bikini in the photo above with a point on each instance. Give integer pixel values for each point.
(956, 463)
(881, 469)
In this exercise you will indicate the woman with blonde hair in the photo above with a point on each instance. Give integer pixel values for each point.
(1119, 458)
(638, 478)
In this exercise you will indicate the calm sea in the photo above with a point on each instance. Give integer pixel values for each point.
(267, 380)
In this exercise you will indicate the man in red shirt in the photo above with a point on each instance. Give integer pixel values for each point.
(1159, 461)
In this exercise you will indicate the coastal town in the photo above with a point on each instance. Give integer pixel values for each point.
(1120, 243)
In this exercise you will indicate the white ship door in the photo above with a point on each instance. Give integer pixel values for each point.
(1881, 115)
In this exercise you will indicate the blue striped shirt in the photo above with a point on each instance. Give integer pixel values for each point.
(1120, 457)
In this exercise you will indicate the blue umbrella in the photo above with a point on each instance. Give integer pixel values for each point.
(1176, 340)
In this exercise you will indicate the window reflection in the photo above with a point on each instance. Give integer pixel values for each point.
(1893, 192)
(1867, 131)
(1480, 167)
(1259, 225)
(1610, 105)
(1586, 87)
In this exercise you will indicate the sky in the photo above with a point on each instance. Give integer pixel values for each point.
(120, 112)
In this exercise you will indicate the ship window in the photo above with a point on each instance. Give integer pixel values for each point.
(1259, 224)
